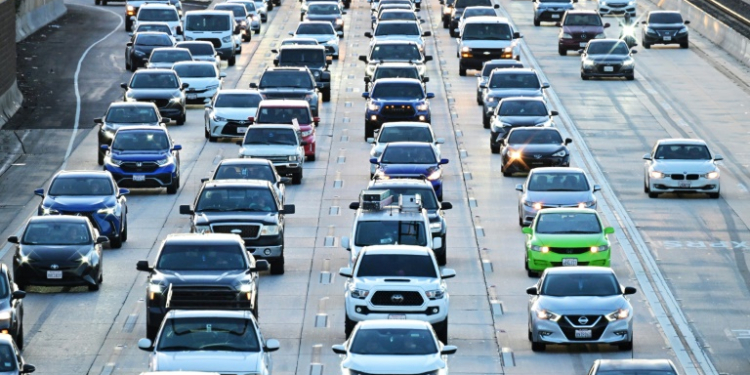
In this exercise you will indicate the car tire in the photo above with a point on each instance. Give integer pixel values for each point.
(124, 234)
(645, 45)
(630, 77)
(93, 287)
(538, 346)
(256, 309)
(494, 149)
(246, 38)
(653, 195)
(445, 25)
(212, 139)
(231, 61)
(369, 131)
(336, 57)
(529, 336)
(441, 331)
(584, 77)
(645, 187)
(297, 178)
(96, 2)
(104, 2)
(99, 156)
(301, 17)
(537, 22)
(562, 51)
(133, 66)
(327, 95)
(348, 326)
(520, 222)
(174, 186)
(461, 70)
(684, 44)
(128, 26)
(19, 335)
(277, 266)
(127, 65)
(257, 31)
(714, 195)
(505, 171)
(181, 120)
(441, 255)
(485, 122)
(311, 157)
(151, 332)
(626, 346)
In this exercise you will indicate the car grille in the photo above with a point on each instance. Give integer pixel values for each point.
(623, 5)
(86, 214)
(133, 166)
(560, 205)
(215, 41)
(231, 128)
(680, 176)
(488, 53)
(161, 103)
(386, 298)
(329, 49)
(569, 324)
(583, 36)
(246, 231)
(615, 68)
(569, 250)
(663, 33)
(285, 96)
(397, 110)
(205, 297)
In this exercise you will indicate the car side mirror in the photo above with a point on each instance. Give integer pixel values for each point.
(204, 179)
(354, 206)
(27, 368)
(185, 85)
(145, 345)
(178, 30)
(447, 273)
(363, 58)
(165, 120)
(606, 25)
(345, 243)
(718, 157)
(13, 239)
(545, 85)
(98, 120)
(428, 58)
(185, 209)
(568, 141)
(648, 157)
(303, 143)
(143, 266)
(517, 35)
(343, 13)
(532, 291)
(18, 294)
(275, 62)
(580, 51)
(291, 33)
(686, 22)
(457, 31)
(253, 85)
(374, 161)
(272, 345)
(102, 239)
(104, 147)
(609, 230)
(368, 34)
(251, 120)
(437, 243)
(425, 79)
(634, 51)
(345, 271)
(644, 22)
(289, 209)
(237, 30)
(366, 95)
(260, 266)
(427, 33)
(339, 34)
(316, 120)
(124, 85)
(444, 161)
(449, 349)
(39, 192)
(519, 187)
(446, 206)
(129, 44)
(275, 50)
(176, 147)
(597, 188)
(286, 180)
(629, 290)
(338, 349)
(558, 24)
(554, 113)
(239, 143)
(370, 140)
(527, 230)
(440, 141)
(482, 85)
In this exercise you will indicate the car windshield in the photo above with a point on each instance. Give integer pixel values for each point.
(271, 137)
(396, 52)
(476, 12)
(245, 172)
(555, 1)
(171, 56)
(405, 134)
(522, 108)
(546, 136)
(140, 140)
(301, 42)
(665, 17)
(387, 72)
(207, 70)
(199, 49)
(506, 80)
(393, 341)
(208, 22)
(157, 28)
(60, 233)
(390, 233)
(315, 29)
(148, 80)
(397, 90)
(582, 20)
(397, 28)
(682, 152)
(568, 223)
(166, 15)
(237, 101)
(608, 48)
(208, 334)
(409, 15)
(82, 186)
(201, 257)
(131, 115)
(225, 199)
(558, 182)
(635, 372)
(8, 363)
(472, 3)
(580, 284)
(298, 79)
(408, 155)
(153, 40)
(396, 265)
(283, 115)
(427, 193)
(302, 57)
(323, 9)
(238, 10)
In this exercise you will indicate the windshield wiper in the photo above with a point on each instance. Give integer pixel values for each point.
(176, 348)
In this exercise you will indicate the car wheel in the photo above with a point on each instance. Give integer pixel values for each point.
(104, 2)
(584, 77)
(441, 330)
(297, 178)
(311, 157)
(99, 156)
(174, 186)
(494, 149)
(19, 336)
(348, 326)
(630, 77)
(485, 122)
(626, 346)
(327, 95)
(301, 17)
(246, 38)
(537, 22)
(93, 287)
(212, 138)
(127, 65)
(521, 224)
(538, 346)
(645, 187)
(645, 45)
(714, 195)
(96, 2)
(277, 266)
(529, 336)
(257, 31)
(442, 253)
(115, 242)
(255, 307)
(231, 61)
(336, 57)
(684, 44)
(124, 234)
(369, 131)
(181, 120)
(562, 51)
(653, 195)
(505, 171)
(461, 71)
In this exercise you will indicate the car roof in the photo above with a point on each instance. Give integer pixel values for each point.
(303, 46)
(59, 218)
(315, 23)
(664, 11)
(82, 173)
(394, 42)
(193, 43)
(514, 71)
(228, 5)
(392, 323)
(480, 7)
(535, 129)
(217, 184)
(502, 62)
(326, 3)
(131, 104)
(635, 364)
(395, 250)
(283, 103)
(681, 141)
(194, 62)
(524, 99)
(409, 145)
(486, 19)
(286, 69)
(203, 238)
(273, 126)
(158, 6)
(405, 123)
(6, 338)
(142, 128)
(238, 91)
(581, 11)
(154, 71)
(398, 80)
(179, 373)
(245, 161)
(396, 64)
(606, 40)
(159, 49)
(153, 23)
(179, 314)
(208, 12)
(579, 270)
(158, 33)
(564, 210)
(399, 182)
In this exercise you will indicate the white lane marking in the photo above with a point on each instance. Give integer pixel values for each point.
(75, 84)
(679, 334)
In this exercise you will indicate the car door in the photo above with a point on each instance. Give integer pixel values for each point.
(16, 304)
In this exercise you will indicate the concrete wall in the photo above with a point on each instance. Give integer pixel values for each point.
(33, 14)
(10, 96)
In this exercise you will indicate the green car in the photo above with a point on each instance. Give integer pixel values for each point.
(566, 237)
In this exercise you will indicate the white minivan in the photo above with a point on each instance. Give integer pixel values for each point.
(215, 26)
(159, 13)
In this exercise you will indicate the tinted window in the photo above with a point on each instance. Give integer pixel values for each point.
(298, 79)
(323, 9)
(8, 362)
(682, 152)
(65, 185)
(283, 115)
(386, 265)
(408, 155)
(514, 81)
(304, 42)
(558, 182)
(583, 20)
(388, 72)
(213, 257)
(62, 233)
(667, 17)
(159, 28)
(237, 10)
(207, 23)
(389, 341)
(488, 68)
(476, 12)
(472, 3)
(302, 57)
(568, 223)
(192, 334)
(398, 16)
(390, 233)
(166, 15)
(405, 134)
(170, 56)
(147, 80)
(140, 140)
(522, 108)
(594, 284)
(521, 136)
(245, 172)
(397, 90)
(271, 137)
(131, 115)
(554, 1)
(634, 372)
(487, 31)
(398, 28)
(396, 52)
(195, 70)
(237, 101)
(429, 201)
(153, 40)
(223, 199)
(608, 48)
(198, 49)
(314, 29)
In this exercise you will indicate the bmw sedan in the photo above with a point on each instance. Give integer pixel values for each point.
(681, 166)
(554, 187)
(528, 148)
(580, 305)
(604, 58)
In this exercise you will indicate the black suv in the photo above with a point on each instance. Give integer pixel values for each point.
(250, 208)
(200, 271)
(289, 83)
(312, 57)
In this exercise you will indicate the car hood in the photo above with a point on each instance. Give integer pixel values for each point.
(214, 361)
(139, 155)
(562, 198)
(585, 305)
(200, 277)
(117, 125)
(684, 166)
(604, 59)
(413, 38)
(204, 218)
(508, 92)
(236, 113)
(78, 203)
(533, 148)
(523, 120)
(593, 30)
(161, 65)
(210, 58)
(145, 49)
(486, 44)
(322, 17)
(200, 83)
(47, 254)
(403, 282)
(407, 169)
(569, 240)
(153, 93)
(394, 364)
(321, 38)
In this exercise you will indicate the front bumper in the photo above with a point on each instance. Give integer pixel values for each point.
(527, 214)
(539, 261)
(227, 52)
(605, 9)
(563, 332)
(200, 95)
(699, 185)
(658, 39)
(267, 252)
(226, 129)
(528, 162)
(161, 177)
(72, 274)
(432, 312)
(376, 120)
(572, 44)
(600, 70)
(549, 15)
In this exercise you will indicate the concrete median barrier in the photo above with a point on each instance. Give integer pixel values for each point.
(34, 14)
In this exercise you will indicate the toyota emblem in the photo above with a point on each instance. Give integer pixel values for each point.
(538, 156)
(54, 267)
(583, 320)
(397, 298)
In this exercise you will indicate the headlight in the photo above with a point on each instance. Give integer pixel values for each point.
(514, 154)
(24, 258)
(588, 63)
(316, 73)
(597, 249)
(131, 10)
(371, 69)
(188, 38)
(308, 97)
(588, 204)
(465, 49)
(546, 123)
(560, 154)
(566, 36)
(541, 249)
(154, 289)
(219, 118)
(246, 288)
(292, 158)
(508, 49)
(129, 98)
(618, 314)
(49, 211)
(166, 161)
(628, 62)
(175, 100)
(139, 53)
(202, 229)
(423, 106)
(490, 99)
(535, 205)
(87, 258)
(435, 294)
(332, 41)
(339, 21)
(712, 175)
(358, 293)
(226, 39)
(446, 10)
(436, 225)
(683, 30)
(650, 31)
(113, 162)
(435, 175)
(5, 315)
(212, 87)
(306, 133)
(547, 315)
(656, 174)
(373, 106)
(270, 230)
(600, 36)
(107, 210)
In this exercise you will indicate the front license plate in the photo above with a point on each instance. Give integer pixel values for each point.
(570, 262)
(397, 316)
(242, 130)
(667, 38)
(555, 16)
(583, 333)
(139, 177)
(192, 96)
(54, 274)
(684, 184)
(609, 69)
(583, 44)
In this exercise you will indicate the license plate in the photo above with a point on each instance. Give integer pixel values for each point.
(397, 316)
(609, 69)
(583, 44)
(583, 333)
(139, 177)
(667, 38)
(555, 16)
(192, 96)
(684, 184)
(242, 130)
(54, 274)
(570, 262)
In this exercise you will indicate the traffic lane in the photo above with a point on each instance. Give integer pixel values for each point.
(672, 99)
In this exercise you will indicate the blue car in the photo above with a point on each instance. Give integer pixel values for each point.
(411, 160)
(93, 194)
(395, 99)
(144, 157)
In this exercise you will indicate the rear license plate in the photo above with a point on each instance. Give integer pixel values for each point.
(192, 96)
(54, 274)
(570, 262)
(684, 184)
(583, 44)
(555, 16)
(609, 69)
(242, 130)
(583, 333)
(139, 177)
(397, 316)
(667, 38)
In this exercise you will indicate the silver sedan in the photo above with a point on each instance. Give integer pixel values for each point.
(580, 305)
(681, 166)
(554, 187)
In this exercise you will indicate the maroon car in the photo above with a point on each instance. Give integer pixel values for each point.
(578, 27)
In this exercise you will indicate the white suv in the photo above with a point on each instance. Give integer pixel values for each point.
(397, 282)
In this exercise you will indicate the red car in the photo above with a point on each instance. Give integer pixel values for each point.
(284, 112)
(578, 27)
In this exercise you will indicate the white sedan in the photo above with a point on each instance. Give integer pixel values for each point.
(402, 131)
(681, 166)
(227, 114)
(203, 77)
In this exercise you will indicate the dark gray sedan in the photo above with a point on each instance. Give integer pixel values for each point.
(607, 58)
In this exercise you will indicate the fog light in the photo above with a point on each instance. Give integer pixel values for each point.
(374, 117)
(267, 251)
(435, 310)
(358, 309)
(545, 333)
(422, 118)
(621, 333)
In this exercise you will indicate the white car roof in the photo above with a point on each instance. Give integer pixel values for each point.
(391, 323)
(395, 250)
(486, 19)
(681, 141)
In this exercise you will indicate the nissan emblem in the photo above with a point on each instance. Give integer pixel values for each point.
(583, 320)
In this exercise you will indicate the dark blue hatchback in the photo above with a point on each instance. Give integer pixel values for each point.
(93, 194)
(411, 160)
(396, 99)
